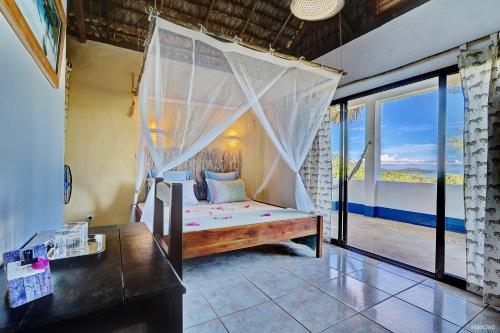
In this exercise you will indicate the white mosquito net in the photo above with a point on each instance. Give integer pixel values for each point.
(194, 87)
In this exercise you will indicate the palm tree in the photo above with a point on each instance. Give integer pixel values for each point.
(353, 113)
(457, 143)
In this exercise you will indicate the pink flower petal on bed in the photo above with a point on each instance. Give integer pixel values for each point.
(247, 206)
(266, 214)
(188, 211)
(192, 224)
(220, 208)
(228, 217)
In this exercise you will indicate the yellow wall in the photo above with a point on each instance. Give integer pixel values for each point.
(101, 138)
(250, 142)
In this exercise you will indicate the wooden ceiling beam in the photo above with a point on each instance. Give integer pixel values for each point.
(106, 15)
(324, 42)
(94, 33)
(171, 13)
(329, 39)
(80, 20)
(208, 12)
(114, 27)
(346, 25)
(248, 18)
(281, 29)
(297, 42)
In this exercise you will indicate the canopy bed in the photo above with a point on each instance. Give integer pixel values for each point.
(192, 88)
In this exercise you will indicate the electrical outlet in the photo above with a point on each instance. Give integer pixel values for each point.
(90, 218)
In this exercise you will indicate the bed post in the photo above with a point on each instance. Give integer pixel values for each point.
(175, 228)
(170, 194)
(158, 211)
(319, 237)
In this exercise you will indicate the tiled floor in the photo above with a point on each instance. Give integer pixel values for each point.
(283, 288)
(404, 242)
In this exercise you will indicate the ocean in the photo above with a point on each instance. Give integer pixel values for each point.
(429, 170)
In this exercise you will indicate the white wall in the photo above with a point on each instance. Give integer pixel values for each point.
(31, 144)
(431, 28)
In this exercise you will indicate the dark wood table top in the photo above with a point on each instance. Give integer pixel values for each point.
(131, 268)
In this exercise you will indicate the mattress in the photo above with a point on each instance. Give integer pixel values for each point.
(206, 216)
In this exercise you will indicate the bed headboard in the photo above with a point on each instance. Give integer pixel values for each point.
(216, 160)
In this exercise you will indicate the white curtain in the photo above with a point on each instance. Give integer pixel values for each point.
(316, 173)
(290, 110)
(194, 86)
(480, 74)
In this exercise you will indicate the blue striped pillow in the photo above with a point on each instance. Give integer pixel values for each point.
(226, 191)
(219, 176)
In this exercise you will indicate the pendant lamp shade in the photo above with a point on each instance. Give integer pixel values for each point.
(316, 10)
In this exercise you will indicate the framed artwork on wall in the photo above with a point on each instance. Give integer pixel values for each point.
(41, 27)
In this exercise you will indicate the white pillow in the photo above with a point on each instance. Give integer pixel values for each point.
(188, 197)
(222, 191)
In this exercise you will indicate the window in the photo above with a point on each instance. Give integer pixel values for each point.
(401, 208)
(408, 134)
(356, 140)
(454, 131)
(454, 224)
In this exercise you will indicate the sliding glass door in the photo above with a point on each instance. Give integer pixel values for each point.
(391, 201)
(336, 151)
(455, 228)
(401, 197)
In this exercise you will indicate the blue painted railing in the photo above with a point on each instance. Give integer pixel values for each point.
(423, 219)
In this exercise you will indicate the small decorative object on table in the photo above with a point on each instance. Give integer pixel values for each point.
(73, 240)
(28, 275)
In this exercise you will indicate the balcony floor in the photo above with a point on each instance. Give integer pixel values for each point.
(404, 242)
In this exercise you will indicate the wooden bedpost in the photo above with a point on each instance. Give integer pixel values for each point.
(158, 211)
(175, 228)
(319, 237)
(171, 244)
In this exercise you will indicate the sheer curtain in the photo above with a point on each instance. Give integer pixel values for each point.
(194, 86)
(479, 71)
(290, 111)
(316, 173)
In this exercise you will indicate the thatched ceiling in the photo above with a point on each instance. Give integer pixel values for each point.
(125, 23)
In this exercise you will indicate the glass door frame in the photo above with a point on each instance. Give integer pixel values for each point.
(342, 241)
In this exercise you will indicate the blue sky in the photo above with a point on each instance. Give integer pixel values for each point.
(409, 131)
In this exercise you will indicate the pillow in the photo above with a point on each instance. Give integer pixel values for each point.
(172, 176)
(219, 176)
(188, 197)
(223, 191)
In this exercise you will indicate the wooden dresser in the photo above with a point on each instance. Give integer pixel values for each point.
(130, 287)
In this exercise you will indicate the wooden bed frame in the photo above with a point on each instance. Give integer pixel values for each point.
(179, 245)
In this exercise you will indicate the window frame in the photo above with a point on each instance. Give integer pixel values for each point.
(342, 241)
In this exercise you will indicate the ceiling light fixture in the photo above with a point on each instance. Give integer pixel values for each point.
(316, 10)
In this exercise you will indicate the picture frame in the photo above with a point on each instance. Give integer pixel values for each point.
(41, 27)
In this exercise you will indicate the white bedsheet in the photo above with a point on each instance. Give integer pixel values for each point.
(207, 216)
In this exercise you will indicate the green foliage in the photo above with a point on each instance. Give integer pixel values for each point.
(403, 176)
(454, 179)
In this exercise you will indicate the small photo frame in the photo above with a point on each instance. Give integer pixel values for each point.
(27, 280)
(41, 27)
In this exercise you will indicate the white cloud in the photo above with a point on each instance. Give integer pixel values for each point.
(393, 159)
(430, 148)
(419, 128)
